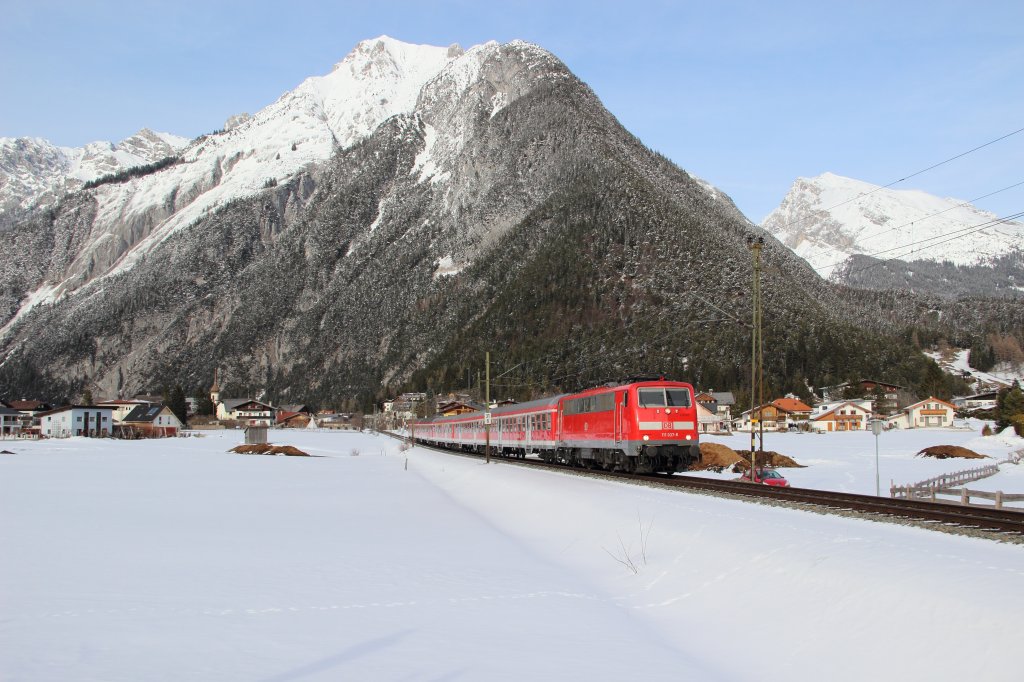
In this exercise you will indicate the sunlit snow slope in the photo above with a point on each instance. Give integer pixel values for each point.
(829, 218)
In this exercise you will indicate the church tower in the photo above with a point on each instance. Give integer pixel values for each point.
(215, 394)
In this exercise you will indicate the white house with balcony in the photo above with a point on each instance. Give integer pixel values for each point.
(929, 413)
(10, 421)
(246, 410)
(77, 420)
(850, 415)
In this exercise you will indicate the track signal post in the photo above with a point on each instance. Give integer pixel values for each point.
(487, 408)
(756, 354)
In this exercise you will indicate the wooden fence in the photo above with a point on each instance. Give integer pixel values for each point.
(945, 485)
(925, 488)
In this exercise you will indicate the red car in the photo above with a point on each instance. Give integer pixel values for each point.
(767, 477)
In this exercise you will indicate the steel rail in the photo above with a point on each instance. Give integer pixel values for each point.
(982, 518)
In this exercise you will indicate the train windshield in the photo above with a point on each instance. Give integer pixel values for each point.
(660, 397)
(678, 397)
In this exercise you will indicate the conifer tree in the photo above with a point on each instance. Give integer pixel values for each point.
(176, 401)
(1010, 407)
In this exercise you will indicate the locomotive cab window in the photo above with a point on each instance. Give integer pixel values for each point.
(660, 397)
(678, 397)
(651, 397)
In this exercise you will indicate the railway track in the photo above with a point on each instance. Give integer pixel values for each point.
(943, 513)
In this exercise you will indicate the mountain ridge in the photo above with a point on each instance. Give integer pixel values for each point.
(508, 206)
(829, 219)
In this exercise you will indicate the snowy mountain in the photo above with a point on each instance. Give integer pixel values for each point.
(34, 172)
(828, 219)
(387, 222)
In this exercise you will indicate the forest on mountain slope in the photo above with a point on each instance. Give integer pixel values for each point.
(585, 256)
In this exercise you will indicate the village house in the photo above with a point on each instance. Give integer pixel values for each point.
(884, 396)
(77, 420)
(822, 408)
(30, 411)
(122, 408)
(290, 419)
(401, 410)
(246, 410)
(850, 415)
(340, 421)
(797, 411)
(26, 421)
(150, 421)
(778, 415)
(708, 421)
(450, 407)
(718, 402)
(979, 401)
(931, 412)
(10, 421)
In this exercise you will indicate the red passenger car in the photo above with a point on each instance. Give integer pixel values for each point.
(637, 426)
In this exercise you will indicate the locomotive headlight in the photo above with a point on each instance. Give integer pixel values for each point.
(689, 437)
(646, 437)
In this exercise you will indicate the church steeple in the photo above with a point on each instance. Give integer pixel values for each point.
(215, 390)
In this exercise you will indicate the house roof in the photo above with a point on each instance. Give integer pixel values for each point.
(791, 405)
(65, 408)
(143, 414)
(880, 383)
(294, 408)
(984, 395)
(724, 397)
(456, 404)
(10, 411)
(231, 404)
(706, 416)
(929, 399)
(29, 405)
(831, 410)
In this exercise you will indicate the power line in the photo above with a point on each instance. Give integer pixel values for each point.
(912, 175)
(967, 231)
(923, 218)
(949, 236)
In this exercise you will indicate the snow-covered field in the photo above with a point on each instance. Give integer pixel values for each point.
(846, 461)
(175, 560)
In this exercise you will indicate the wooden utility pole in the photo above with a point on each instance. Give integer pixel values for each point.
(487, 409)
(756, 354)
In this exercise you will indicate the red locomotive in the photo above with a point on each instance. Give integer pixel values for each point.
(642, 426)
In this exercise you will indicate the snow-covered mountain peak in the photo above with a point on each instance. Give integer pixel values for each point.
(384, 57)
(34, 170)
(828, 218)
(446, 88)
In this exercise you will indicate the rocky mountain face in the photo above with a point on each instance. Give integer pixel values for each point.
(34, 173)
(388, 223)
(858, 234)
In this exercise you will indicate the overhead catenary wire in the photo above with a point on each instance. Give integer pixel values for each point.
(959, 234)
(907, 177)
(969, 202)
(735, 319)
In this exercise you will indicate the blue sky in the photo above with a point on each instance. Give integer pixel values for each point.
(747, 95)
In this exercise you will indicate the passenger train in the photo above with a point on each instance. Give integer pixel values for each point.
(640, 426)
